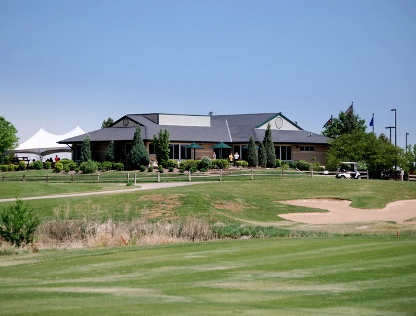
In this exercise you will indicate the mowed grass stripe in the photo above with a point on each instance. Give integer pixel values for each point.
(360, 276)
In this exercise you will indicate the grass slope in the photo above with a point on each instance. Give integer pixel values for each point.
(332, 276)
(218, 201)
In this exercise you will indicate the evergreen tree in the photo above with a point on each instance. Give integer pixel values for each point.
(161, 147)
(269, 148)
(109, 154)
(262, 156)
(138, 155)
(86, 149)
(252, 156)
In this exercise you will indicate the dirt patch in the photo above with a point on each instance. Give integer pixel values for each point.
(340, 211)
(158, 205)
(234, 207)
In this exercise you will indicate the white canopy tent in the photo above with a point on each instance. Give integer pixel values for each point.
(44, 143)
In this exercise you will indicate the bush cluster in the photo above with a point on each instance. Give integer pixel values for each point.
(89, 166)
(242, 163)
(302, 165)
(65, 165)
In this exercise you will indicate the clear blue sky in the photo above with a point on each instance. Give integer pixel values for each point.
(68, 63)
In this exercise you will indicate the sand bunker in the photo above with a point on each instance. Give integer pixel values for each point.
(340, 211)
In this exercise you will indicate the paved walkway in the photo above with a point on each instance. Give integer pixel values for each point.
(139, 187)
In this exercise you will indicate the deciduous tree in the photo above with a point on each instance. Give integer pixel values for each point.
(161, 147)
(107, 122)
(346, 123)
(8, 137)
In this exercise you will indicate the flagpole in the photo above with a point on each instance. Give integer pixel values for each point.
(373, 122)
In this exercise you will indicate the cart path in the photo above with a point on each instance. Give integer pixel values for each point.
(139, 187)
(340, 211)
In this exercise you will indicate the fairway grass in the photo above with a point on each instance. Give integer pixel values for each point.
(331, 276)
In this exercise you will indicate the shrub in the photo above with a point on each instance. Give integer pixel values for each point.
(66, 168)
(4, 167)
(189, 164)
(205, 163)
(160, 169)
(221, 164)
(171, 163)
(303, 165)
(106, 165)
(21, 166)
(47, 165)
(119, 166)
(12, 167)
(69, 165)
(171, 169)
(291, 163)
(242, 163)
(278, 163)
(58, 167)
(18, 224)
(150, 168)
(142, 168)
(89, 166)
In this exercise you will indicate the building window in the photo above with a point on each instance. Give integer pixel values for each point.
(185, 152)
(151, 149)
(173, 151)
(307, 148)
(283, 152)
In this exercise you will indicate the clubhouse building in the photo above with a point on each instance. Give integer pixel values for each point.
(201, 135)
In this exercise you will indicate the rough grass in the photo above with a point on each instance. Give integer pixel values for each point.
(324, 276)
(232, 209)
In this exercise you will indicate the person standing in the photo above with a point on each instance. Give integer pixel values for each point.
(236, 157)
(214, 156)
(230, 158)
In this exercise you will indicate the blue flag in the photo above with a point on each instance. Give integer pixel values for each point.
(372, 121)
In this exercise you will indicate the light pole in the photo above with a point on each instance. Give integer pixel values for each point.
(395, 127)
(389, 127)
(406, 140)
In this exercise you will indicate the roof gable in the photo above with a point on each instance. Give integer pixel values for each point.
(280, 122)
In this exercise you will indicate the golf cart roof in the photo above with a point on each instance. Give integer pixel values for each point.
(349, 162)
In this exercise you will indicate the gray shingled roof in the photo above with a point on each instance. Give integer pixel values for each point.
(236, 128)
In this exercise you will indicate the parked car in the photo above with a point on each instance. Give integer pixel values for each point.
(348, 170)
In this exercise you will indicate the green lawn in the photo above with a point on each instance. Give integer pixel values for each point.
(245, 199)
(367, 275)
(331, 276)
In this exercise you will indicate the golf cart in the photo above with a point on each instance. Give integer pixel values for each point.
(348, 170)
